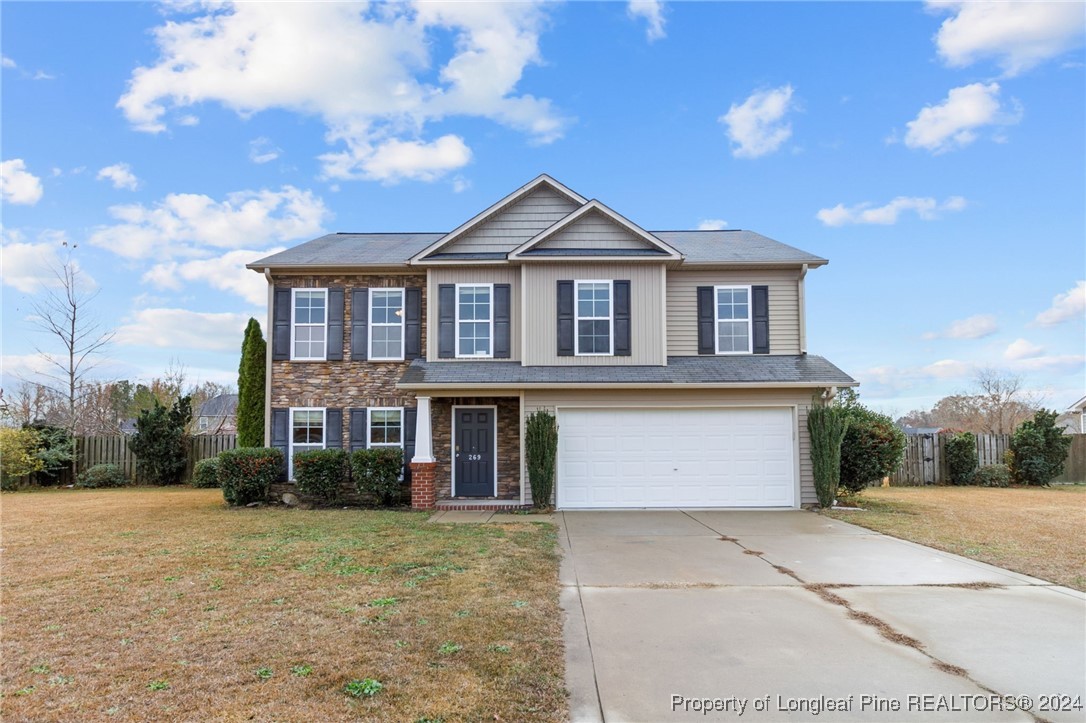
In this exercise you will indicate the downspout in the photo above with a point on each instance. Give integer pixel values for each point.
(802, 311)
(268, 358)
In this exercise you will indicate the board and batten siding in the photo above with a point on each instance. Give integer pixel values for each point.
(473, 275)
(682, 306)
(541, 320)
(801, 399)
(594, 231)
(514, 225)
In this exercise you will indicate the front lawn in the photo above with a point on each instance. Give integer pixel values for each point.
(1035, 531)
(144, 604)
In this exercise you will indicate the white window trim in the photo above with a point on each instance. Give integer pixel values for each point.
(717, 320)
(490, 322)
(294, 325)
(369, 426)
(290, 433)
(577, 317)
(370, 325)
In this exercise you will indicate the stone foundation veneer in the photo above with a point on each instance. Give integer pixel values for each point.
(422, 485)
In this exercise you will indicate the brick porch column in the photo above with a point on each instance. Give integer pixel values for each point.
(423, 466)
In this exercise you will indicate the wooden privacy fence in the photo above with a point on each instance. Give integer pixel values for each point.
(925, 458)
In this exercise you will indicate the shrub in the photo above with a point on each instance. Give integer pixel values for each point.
(996, 475)
(827, 426)
(872, 448)
(377, 472)
(1039, 450)
(250, 415)
(102, 475)
(320, 472)
(55, 450)
(246, 474)
(961, 458)
(205, 474)
(18, 455)
(540, 452)
(159, 444)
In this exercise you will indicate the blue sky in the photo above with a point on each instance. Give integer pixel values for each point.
(934, 153)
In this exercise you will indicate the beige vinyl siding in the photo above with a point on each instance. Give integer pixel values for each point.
(801, 399)
(473, 275)
(594, 231)
(514, 225)
(646, 312)
(682, 306)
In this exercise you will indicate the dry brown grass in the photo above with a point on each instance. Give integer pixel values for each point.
(106, 592)
(1035, 531)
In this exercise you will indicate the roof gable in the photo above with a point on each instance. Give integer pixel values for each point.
(594, 229)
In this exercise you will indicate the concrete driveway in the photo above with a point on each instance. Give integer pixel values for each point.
(793, 616)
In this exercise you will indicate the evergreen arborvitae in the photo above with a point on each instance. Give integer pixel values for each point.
(251, 387)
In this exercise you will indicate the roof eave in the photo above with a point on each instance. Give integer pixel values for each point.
(460, 386)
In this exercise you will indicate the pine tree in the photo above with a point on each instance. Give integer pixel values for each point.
(251, 387)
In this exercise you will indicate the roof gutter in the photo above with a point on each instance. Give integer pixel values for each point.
(622, 385)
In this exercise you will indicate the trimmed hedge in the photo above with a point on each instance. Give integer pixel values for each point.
(377, 473)
(996, 475)
(246, 474)
(540, 451)
(102, 475)
(961, 458)
(321, 472)
(205, 474)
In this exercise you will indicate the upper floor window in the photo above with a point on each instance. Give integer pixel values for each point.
(474, 320)
(386, 324)
(733, 320)
(594, 316)
(310, 323)
(386, 427)
(306, 432)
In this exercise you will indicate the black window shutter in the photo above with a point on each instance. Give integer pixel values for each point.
(565, 318)
(358, 429)
(706, 320)
(334, 341)
(412, 345)
(281, 313)
(760, 318)
(446, 321)
(280, 436)
(360, 316)
(333, 434)
(502, 321)
(410, 416)
(622, 318)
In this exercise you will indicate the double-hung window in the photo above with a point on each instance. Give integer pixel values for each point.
(386, 324)
(309, 329)
(595, 316)
(386, 427)
(474, 320)
(306, 431)
(733, 320)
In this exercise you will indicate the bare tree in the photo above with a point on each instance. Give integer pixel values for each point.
(1004, 403)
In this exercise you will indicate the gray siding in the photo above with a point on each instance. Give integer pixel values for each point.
(473, 275)
(514, 225)
(682, 306)
(646, 312)
(551, 399)
(594, 231)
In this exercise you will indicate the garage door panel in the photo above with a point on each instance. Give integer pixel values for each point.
(671, 458)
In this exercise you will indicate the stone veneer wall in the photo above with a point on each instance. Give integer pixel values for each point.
(508, 457)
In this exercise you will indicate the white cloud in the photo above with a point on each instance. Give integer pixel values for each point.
(120, 175)
(460, 184)
(42, 75)
(653, 13)
(28, 266)
(712, 224)
(7, 62)
(180, 221)
(226, 272)
(18, 185)
(1022, 349)
(948, 369)
(183, 329)
(1054, 363)
(262, 150)
(926, 208)
(1066, 306)
(954, 123)
(366, 70)
(1018, 34)
(757, 125)
(188, 120)
(973, 327)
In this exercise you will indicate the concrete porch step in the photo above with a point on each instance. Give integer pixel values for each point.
(470, 505)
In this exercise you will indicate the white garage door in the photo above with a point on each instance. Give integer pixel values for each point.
(675, 458)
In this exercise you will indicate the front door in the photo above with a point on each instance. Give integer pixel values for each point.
(473, 452)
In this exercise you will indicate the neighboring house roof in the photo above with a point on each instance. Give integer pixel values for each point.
(1078, 406)
(917, 431)
(763, 371)
(128, 426)
(224, 405)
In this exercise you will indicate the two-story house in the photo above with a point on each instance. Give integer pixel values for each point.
(675, 361)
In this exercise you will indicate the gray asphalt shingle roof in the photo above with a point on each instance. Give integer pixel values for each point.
(394, 249)
(769, 369)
